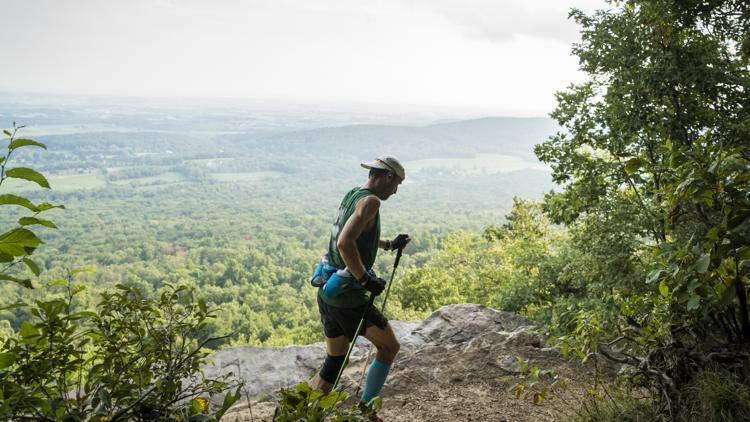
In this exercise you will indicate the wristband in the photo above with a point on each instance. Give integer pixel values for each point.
(387, 245)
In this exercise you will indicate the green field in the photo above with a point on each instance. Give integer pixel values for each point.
(245, 177)
(479, 164)
(61, 183)
(168, 177)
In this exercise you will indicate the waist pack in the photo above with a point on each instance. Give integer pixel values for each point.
(334, 281)
(322, 273)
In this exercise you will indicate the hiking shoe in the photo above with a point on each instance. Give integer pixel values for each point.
(372, 416)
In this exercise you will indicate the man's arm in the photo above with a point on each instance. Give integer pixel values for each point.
(363, 216)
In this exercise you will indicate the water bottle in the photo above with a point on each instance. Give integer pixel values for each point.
(317, 279)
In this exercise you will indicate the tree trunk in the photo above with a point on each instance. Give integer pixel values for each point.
(739, 287)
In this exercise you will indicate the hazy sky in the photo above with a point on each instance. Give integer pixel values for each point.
(506, 56)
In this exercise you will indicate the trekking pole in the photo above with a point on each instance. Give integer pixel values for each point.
(354, 340)
(382, 309)
(362, 323)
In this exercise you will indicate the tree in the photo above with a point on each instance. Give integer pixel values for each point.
(661, 128)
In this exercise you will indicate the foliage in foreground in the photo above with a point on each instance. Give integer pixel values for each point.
(714, 395)
(302, 403)
(134, 358)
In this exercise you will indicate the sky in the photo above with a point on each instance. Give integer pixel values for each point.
(507, 57)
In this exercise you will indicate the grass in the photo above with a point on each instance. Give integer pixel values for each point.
(713, 395)
(716, 395)
(621, 409)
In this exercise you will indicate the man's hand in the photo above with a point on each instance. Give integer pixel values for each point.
(400, 241)
(373, 284)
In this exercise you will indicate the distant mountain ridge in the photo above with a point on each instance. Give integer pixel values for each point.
(464, 138)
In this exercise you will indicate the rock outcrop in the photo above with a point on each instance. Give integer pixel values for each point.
(461, 363)
(267, 369)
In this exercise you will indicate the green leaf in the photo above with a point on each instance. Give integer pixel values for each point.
(713, 234)
(18, 200)
(44, 206)
(28, 330)
(18, 143)
(4, 257)
(229, 400)
(653, 276)
(30, 221)
(22, 281)
(633, 165)
(16, 242)
(202, 305)
(329, 400)
(303, 387)
(82, 270)
(693, 284)
(664, 289)
(82, 314)
(6, 360)
(5, 131)
(685, 183)
(32, 266)
(28, 174)
(701, 265)
(375, 403)
(694, 302)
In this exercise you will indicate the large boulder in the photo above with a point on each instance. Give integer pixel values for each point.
(266, 369)
(455, 325)
(452, 330)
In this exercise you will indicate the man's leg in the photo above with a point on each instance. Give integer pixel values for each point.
(385, 341)
(336, 351)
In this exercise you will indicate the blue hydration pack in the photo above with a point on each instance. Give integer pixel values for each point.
(333, 280)
(322, 273)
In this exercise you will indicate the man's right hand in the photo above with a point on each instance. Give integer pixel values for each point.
(373, 284)
(400, 241)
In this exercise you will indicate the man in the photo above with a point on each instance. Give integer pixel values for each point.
(355, 239)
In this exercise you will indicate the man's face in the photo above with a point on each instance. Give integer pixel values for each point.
(392, 183)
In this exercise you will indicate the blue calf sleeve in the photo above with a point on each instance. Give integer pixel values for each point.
(376, 376)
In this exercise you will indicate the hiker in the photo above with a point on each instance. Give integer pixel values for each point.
(343, 299)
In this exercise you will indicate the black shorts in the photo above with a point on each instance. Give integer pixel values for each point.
(344, 321)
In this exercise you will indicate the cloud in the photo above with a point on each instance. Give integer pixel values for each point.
(497, 20)
(388, 51)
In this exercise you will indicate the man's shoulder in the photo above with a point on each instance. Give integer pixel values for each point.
(369, 205)
(370, 201)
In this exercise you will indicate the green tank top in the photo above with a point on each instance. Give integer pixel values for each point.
(367, 246)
